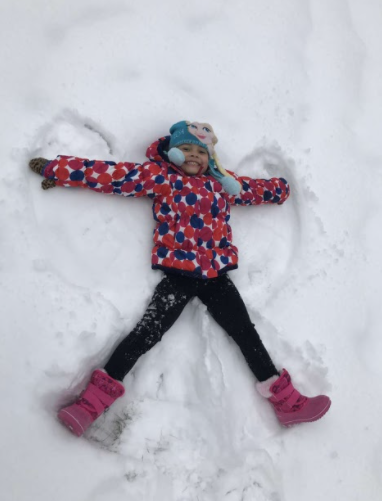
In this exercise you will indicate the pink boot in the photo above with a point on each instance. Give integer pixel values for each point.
(289, 405)
(98, 396)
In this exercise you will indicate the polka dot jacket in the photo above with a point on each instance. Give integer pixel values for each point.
(192, 234)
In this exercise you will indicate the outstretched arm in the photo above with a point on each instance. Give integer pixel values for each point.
(261, 191)
(123, 178)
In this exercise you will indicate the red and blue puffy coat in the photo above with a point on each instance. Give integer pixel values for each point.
(192, 234)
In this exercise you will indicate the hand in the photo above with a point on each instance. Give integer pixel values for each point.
(48, 183)
(37, 165)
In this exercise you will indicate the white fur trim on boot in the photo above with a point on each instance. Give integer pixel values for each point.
(264, 387)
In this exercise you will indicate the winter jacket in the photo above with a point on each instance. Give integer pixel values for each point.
(192, 234)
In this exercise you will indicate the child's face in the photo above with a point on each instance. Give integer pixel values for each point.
(196, 159)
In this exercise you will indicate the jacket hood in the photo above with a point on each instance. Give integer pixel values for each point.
(157, 151)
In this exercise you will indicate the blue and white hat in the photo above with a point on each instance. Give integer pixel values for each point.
(201, 134)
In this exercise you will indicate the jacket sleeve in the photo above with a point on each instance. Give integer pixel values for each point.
(260, 191)
(123, 178)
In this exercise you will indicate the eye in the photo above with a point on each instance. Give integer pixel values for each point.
(202, 152)
(193, 126)
(206, 129)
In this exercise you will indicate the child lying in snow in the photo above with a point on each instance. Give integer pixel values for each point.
(193, 246)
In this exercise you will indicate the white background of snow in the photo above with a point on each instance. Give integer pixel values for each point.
(293, 89)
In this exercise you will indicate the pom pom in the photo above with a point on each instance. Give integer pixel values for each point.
(176, 156)
(230, 185)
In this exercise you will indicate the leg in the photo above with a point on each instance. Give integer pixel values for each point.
(226, 306)
(170, 297)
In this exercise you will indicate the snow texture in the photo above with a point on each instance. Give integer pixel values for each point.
(293, 89)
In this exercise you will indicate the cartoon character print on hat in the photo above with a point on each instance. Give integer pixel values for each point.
(204, 133)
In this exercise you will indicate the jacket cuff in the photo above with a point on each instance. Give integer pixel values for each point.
(47, 170)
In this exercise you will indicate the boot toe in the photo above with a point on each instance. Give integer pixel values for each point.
(75, 418)
(314, 409)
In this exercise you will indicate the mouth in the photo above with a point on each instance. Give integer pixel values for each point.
(201, 137)
(192, 164)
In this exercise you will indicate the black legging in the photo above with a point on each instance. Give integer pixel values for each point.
(171, 295)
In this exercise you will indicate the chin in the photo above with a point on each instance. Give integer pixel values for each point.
(195, 172)
(190, 171)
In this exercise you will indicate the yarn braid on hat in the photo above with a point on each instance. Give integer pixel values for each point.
(202, 134)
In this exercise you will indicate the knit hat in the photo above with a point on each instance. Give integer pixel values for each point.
(201, 134)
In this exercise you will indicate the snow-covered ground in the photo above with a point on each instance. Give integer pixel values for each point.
(292, 89)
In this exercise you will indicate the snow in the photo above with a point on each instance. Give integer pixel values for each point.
(292, 89)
